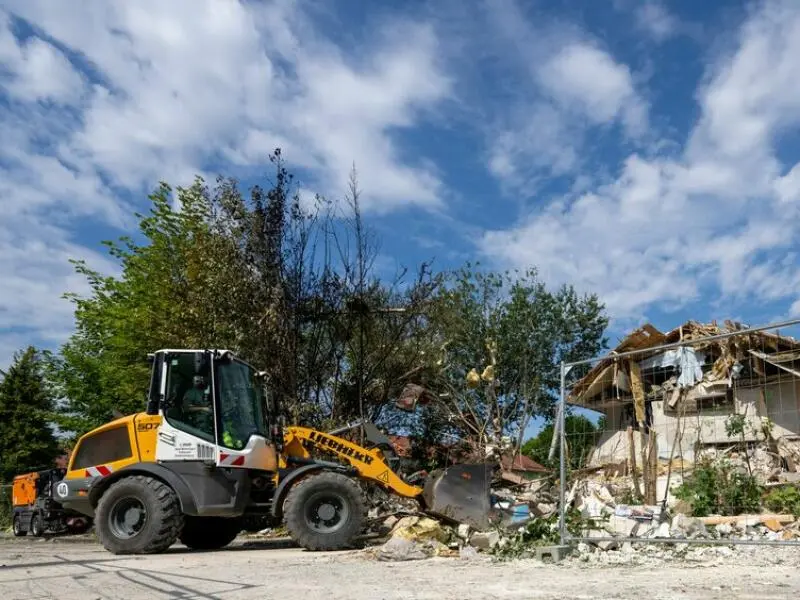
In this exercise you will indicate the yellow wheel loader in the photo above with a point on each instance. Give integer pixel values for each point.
(211, 450)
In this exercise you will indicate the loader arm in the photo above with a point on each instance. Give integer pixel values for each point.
(370, 463)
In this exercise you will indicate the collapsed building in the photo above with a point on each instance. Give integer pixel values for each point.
(676, 403)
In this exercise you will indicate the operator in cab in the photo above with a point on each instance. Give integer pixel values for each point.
(197, 403)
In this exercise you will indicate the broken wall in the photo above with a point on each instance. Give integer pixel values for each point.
(704, 426)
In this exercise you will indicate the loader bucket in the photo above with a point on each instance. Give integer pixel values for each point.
(461, 494)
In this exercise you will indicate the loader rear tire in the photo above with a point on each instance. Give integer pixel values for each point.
(325, 511)
(209, 533)
(138, 515)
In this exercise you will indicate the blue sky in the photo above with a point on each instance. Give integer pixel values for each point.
(643, 150)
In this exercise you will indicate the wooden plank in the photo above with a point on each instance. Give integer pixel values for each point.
(745, 520)
(638, 390)
(632, 459)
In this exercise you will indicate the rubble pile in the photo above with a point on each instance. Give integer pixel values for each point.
(529, 518)
(417, 538)
(412, 536)
(696, 424)
(653, 555)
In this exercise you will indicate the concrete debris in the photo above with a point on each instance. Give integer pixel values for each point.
(622, 526)
(687, 527)
(663, 531)
(603, 545)
(401, 549)
(543, 509)
(463, 532)
(724, 530)
(484, 540)
(468, 553)
(653, 555)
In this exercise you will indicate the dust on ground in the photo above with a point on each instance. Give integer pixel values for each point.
(269, 569)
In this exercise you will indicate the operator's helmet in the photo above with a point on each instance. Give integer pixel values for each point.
(199, 381)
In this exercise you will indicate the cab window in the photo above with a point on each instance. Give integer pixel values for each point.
(189, 399)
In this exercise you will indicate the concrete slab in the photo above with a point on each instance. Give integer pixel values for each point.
(553, 553)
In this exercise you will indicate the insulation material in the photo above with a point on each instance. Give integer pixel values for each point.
(621, 380)
(689, 366)
(675, 358)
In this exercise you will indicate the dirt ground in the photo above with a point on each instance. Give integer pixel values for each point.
(72, 570)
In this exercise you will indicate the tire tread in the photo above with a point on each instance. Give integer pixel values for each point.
(167, 511)
(295, 520)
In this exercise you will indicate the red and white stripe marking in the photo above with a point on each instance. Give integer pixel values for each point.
(101, 471)
(231, 460)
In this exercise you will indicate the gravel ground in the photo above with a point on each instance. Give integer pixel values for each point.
(69, 570)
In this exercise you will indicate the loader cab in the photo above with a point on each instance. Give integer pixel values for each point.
(213, 405)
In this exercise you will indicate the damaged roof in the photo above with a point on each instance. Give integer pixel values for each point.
(759, 353)
(522, 463)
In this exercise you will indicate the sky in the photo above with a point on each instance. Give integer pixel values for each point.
(646, 151)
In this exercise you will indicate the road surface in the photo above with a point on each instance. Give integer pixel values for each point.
(33, 569)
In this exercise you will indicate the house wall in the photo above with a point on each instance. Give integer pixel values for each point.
(706, 426)
(783, 407)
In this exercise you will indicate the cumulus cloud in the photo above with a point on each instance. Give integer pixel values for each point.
(656, 20)
(104, 100)
(568, 86)
(587, 80)
(718, 220)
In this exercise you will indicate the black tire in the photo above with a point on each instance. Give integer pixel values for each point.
(17, 526)
(209, 533)
(37, 525)
(307, 524)
(138, 515)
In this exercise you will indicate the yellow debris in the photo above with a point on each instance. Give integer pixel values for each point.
(473, 379)
(423, 529)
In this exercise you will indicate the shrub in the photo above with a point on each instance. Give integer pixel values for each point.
(784, 500)
(541, 531)
(5, 507)
(718, 488)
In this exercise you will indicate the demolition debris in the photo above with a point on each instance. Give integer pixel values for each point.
(699, 444)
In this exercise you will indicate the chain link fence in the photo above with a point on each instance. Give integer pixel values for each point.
(691, 435)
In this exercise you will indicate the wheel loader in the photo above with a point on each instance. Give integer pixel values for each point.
(212, 449)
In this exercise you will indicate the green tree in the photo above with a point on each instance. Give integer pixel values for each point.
(501, 337)
(278, 282)
(27, 441)
(581, 438)
(159, 301)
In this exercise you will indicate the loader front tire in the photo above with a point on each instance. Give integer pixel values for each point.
(138, 515)
(325, 511)
(209, 533)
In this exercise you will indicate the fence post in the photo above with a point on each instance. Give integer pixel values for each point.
(562, 522)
